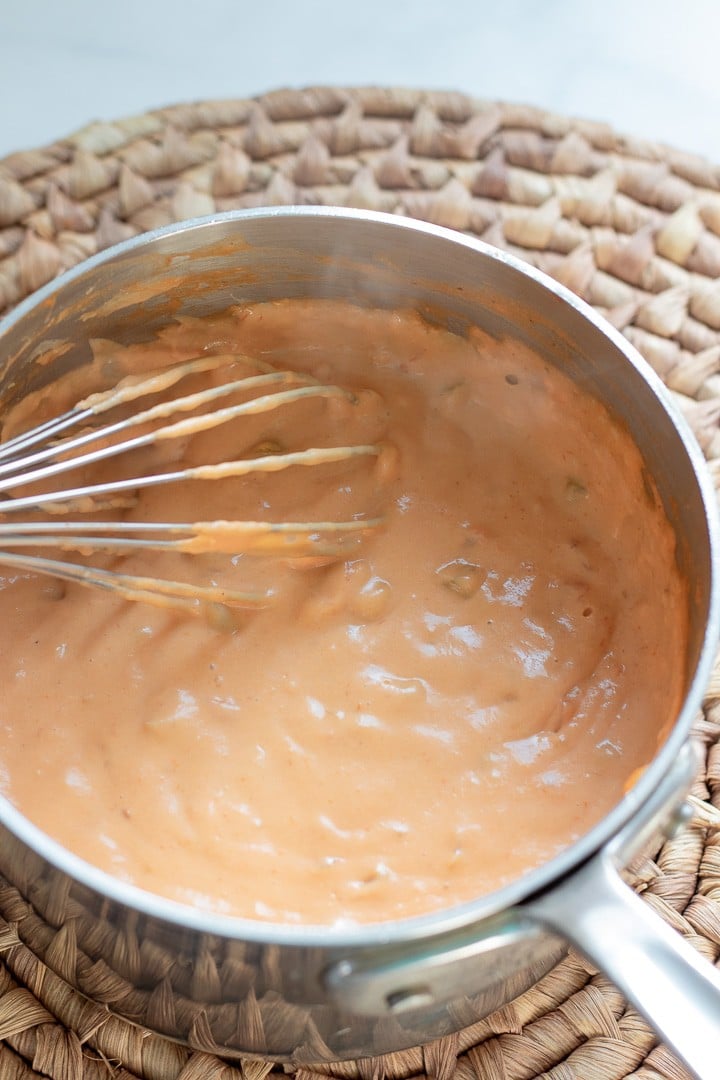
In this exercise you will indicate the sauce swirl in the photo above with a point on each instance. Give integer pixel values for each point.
(439, 711)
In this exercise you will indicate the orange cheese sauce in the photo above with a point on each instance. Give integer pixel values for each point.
(448, 704)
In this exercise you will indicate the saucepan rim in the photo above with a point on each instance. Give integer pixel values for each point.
(352, 935)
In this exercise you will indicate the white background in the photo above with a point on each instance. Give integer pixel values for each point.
(649, 67)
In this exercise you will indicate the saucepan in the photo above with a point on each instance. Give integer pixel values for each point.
(319, 993)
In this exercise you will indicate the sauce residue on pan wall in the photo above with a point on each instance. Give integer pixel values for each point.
(465, 694)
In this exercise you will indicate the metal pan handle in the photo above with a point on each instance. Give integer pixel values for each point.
(675, 989)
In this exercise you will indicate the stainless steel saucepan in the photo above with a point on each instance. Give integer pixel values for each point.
(310, 994)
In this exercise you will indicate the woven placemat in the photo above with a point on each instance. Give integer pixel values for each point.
(632, 226)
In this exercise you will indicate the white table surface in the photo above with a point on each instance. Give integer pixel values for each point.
(648, 67)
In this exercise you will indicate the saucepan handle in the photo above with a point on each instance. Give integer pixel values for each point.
(676, 989)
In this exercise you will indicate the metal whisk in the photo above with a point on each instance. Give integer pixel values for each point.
(74, 440)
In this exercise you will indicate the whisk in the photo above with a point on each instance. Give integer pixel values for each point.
(76, 440)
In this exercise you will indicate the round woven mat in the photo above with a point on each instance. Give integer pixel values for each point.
(631, 226)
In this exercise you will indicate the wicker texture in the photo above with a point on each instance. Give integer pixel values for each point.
(632, 227)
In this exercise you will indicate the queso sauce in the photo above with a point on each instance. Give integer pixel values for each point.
(454, 701)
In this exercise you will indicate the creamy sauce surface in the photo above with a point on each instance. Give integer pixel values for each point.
(461, 695)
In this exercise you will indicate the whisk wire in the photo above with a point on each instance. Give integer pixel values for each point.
(190, 599)
(222, 470)
(289, 538)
